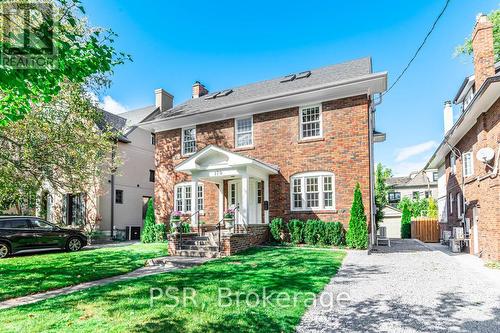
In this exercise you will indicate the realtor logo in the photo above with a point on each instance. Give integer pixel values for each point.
(27, 35)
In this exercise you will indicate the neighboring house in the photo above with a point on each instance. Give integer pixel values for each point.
(468, 157)
(290, 147)
(120, 200)
(417, 185)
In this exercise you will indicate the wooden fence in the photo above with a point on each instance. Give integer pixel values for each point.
(425, 229)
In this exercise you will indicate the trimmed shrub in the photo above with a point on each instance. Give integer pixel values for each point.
(148, 233)
(357, 235)
(277, 227)
(314, 232)
(186, 228)
(334, 234)
(296, 229)
(160, 232)
(406, 223)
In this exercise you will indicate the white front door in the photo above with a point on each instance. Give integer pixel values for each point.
(234, 198)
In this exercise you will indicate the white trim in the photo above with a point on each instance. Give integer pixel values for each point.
(302, 108)
(182, 140)
(236, 131)
(453, 163)
(185, 185)
(321, 192)
(471, 159)
(451, 203)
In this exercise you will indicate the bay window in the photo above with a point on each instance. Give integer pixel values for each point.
(312, 191)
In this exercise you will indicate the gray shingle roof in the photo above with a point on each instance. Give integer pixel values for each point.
(273, 87)
(136, 116)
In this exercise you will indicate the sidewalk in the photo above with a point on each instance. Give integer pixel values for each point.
(157, 266)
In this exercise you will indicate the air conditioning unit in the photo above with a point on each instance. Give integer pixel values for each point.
(458, 233)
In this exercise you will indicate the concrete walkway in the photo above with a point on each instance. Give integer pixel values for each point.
(409, 287)
(155, 266)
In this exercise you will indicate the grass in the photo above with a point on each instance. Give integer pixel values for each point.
(25, 275)
(493, 264)
(125, 306)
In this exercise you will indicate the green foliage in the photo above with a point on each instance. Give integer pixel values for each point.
(186, 227)
(277, 227)
(417, 207)
(406, 222)
(296, 229)
(160, 232)
(82, 52)
(432, 211)
(149, 231)
(466, 48)
(381, 189)
(334, 234)
(314, 232)
(357, 235)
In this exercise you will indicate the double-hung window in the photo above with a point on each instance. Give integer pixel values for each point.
(468, 164)
(243, 132)
(451, 203)
(183, 195)
(188, 141)
(310, 122)
(459, 204)
(312, 191)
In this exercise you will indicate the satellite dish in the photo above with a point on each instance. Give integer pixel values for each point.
(485, 154)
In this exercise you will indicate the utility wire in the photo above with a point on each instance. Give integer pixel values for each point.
(420, 47)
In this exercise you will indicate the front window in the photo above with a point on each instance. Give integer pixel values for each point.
(183, 195)
(313, 191)
(244, 132)
(394, 197)
(435, 176)
(468, 164)
(310, 122)
(416, 195)
(188, 141)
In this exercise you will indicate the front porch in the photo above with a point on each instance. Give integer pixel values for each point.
(240, 185)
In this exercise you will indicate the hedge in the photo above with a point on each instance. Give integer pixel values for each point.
(296, 229)
(277, 228)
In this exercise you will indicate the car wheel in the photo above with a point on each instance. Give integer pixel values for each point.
(4, 250)
(74, 244)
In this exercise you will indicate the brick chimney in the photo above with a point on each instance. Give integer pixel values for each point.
(482, 45)
(163, 100)
(199, 90)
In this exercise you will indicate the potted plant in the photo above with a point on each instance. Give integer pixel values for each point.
(175, 218)
(229, 218)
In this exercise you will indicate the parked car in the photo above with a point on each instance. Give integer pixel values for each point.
(21, 233)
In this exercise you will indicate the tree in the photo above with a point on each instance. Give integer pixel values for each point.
(406, 222)
(357, 235)
(81, 52)
(466, 48)
(381, 189)
(148, 233)
(417, 207)
(433, 209)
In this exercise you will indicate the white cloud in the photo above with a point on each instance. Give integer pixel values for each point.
(405, 153)
(110, 105)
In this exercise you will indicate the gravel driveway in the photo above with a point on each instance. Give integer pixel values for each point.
(409, 288)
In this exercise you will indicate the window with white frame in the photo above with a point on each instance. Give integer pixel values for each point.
(312, 191)
(453, 163)
(244, 132)
(310, 122)
(468, 164)
(188, 140)
(183, 195)
(459, 204)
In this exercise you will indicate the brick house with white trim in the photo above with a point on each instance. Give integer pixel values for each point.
(469, 155)
(290, 147)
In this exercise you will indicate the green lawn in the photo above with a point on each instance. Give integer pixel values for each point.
(125, 306)
(26, 275)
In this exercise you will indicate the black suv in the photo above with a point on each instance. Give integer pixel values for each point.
(21, 233)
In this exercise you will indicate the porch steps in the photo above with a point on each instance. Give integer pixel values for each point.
(200, 246)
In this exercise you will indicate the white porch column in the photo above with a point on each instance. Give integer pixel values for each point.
(266, 198)
(221, 200)
(245, 188)
(194, 201)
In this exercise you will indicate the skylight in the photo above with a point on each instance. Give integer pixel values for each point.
(219, 94)
(293, 77)
(288, 78)
(303, 75)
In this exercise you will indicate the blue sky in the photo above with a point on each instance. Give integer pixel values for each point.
(229, 43)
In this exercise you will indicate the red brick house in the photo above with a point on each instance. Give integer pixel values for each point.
(468, 157)
(290, 147)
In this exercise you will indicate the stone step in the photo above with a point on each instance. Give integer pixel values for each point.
(197, 253)
(200, 247)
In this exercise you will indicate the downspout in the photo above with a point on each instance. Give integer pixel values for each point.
(371, 114)
(113, 153)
